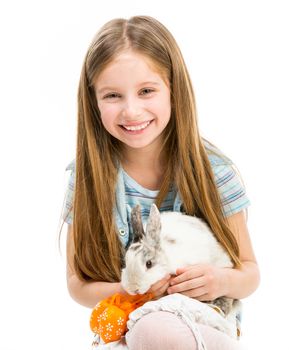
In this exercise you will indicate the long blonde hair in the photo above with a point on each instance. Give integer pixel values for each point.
(98, 251)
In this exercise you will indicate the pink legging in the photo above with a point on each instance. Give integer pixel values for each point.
(163, 330)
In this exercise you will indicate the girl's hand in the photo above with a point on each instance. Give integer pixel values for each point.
(160, 288)
(202, 282)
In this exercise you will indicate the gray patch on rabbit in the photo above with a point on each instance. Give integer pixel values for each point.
(136, 222)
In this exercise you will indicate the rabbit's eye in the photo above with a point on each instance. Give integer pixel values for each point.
(149, 264)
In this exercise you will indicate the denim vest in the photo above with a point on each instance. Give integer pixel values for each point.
(122, 210)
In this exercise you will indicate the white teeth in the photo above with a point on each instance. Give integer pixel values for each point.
(137, 127)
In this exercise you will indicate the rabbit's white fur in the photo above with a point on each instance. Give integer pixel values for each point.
(176, 241)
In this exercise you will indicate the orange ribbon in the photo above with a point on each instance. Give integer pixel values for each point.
(109, 316)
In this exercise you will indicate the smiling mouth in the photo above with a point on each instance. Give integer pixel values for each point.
(136, 127)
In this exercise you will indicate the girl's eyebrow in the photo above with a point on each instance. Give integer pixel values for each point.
(113, 88)
(149, 83)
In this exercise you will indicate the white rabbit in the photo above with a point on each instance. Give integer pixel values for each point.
(170, 240)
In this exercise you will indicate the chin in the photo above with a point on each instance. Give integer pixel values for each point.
(136, 145)
(141, 142)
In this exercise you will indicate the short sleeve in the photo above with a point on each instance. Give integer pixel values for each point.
(69, 195)
(228, 181)
(232, 191)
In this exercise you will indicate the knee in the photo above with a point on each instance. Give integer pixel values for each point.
(160, 330)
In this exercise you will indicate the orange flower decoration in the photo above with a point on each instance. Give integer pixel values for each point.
(109, 316)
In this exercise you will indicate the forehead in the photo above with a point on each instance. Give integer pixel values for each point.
(129, 66)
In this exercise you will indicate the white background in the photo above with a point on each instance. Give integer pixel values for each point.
(237, 55)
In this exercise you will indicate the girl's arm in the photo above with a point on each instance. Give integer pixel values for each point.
(242, 282)
(207, 282)
(90, 293)
(86, 293)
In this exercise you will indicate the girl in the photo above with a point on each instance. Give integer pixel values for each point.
(138, 142)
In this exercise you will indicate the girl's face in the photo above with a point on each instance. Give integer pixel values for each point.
(133, 100)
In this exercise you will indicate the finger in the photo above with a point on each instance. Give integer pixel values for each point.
(197, 268)
(187, 285)
(162, 290)
(159, 287)
(190, 274)
(198, 295)
(159, 284)
(204, 297)
(183, 269)
(164, 280)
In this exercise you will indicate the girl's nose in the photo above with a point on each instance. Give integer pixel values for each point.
(131, 108)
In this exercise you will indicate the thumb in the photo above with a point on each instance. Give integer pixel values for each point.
(183, 269)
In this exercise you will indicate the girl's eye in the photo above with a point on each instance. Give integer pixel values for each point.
(113, 95)
(146, 91)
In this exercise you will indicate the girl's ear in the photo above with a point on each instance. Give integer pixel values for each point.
(153, 227)
(136, 222)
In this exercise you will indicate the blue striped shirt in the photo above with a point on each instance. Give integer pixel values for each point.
(232, 192)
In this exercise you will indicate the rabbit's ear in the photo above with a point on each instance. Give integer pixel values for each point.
(136, 222)
(153, 227)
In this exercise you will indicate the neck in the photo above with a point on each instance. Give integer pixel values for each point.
(140, 158)
(146, 166)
